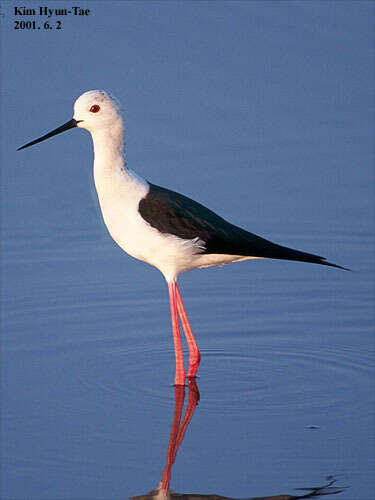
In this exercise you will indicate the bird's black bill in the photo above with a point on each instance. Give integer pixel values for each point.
(68, 125)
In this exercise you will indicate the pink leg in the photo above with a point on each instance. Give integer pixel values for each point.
(180, 370)
(194, 354)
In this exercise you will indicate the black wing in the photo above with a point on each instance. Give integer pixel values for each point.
(173, 213)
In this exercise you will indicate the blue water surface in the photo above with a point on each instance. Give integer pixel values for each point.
(263, 111)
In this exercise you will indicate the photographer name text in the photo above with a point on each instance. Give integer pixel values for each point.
(42, 13)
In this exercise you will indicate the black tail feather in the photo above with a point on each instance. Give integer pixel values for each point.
(275, 251)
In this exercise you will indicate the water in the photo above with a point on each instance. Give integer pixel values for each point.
(263, 112)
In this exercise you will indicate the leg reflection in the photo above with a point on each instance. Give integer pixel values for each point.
(178, 431)
(162, 492)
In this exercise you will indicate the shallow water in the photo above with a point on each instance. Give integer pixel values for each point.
(286, 380)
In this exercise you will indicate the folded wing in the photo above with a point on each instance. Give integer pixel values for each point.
(173, 213)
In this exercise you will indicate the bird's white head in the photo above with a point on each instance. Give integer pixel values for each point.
(95, 110)
(98, 113)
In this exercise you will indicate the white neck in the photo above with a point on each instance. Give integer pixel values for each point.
(113, 181)
(109, 146)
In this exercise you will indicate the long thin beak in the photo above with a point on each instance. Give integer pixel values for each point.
(68, 125)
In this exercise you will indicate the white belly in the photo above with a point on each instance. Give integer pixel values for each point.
(170, 254)
(119, 194)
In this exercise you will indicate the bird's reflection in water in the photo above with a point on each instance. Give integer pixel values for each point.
(162, 492)
(178, 430)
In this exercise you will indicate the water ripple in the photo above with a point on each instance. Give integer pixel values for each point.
(259, 376)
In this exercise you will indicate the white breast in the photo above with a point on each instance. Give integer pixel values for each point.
(120, 191)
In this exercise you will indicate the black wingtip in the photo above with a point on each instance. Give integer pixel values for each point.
(331, 264)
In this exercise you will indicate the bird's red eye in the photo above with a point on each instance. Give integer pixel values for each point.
(95, 108)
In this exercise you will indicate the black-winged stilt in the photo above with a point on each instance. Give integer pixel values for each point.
(159, 226)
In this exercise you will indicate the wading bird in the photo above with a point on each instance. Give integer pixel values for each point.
(159, 226)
